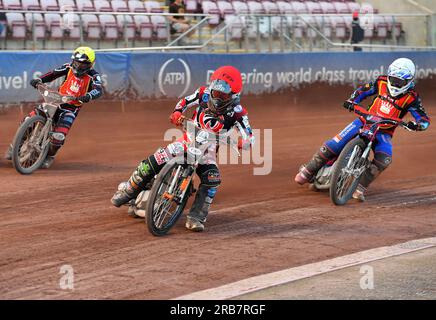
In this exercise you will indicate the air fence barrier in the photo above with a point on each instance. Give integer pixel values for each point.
(134, 76)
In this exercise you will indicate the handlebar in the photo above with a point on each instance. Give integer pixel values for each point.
(361, 111)
(51, 96)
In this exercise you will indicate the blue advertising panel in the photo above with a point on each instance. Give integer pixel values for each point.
(143, 76)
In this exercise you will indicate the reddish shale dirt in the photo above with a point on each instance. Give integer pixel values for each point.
(259, 224)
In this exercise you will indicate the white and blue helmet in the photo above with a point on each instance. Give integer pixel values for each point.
(401, 74)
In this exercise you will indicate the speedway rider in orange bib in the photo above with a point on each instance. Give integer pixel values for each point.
(81, 81)
(217, 109)
(395, 96)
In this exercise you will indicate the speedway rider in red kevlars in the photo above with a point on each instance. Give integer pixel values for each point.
(217, 109)
(395, 96)
(81, 81)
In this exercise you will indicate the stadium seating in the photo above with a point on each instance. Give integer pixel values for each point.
(108, 26)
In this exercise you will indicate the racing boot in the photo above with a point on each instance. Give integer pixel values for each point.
(137, 182)
(53, 149)
(309, 170)
(8, 154)
(200, 208)
(359, 194)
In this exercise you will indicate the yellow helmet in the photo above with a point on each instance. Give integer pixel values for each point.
(83, 60)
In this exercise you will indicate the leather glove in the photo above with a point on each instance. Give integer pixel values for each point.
(34, 82)
(86, 98)
(412, 125)
(244, 144)
(349, 105)
(176, 118)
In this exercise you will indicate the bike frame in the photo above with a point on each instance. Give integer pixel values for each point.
(371, 126)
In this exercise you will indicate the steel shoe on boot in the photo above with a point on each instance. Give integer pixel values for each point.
(194, 225)
(8, 154)
(47, 162)
(124, 194)
(304, 176)
(359, 194)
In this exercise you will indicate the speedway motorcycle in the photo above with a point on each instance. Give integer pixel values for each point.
(32, 139)
(169, 191)
(341, 176)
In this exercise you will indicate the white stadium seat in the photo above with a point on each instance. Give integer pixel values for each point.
(136, 6)
(110, 26)
(85, 5)
(102, 5)
(144, 27)
(92, 26)
(53, 23)
(49, 5)
(16, 24)
(68, 5)
(240, 6)
(225, 8)
(159, 27)
(153, 6)
(35, 23)
(120, 6)
(71, 25)
(211, 8)
(126, 26)
(30, 5)
(327, 7)
(285, 7)
(12, 4)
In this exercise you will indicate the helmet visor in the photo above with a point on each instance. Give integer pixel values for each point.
(81, 66)
(220, 96)
(397, 82)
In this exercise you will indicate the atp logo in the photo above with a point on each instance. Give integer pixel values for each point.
(174, 78)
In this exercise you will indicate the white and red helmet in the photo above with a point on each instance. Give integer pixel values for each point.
(225, 89)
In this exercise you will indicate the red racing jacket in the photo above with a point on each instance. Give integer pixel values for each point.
(384, 105)
(237, 117)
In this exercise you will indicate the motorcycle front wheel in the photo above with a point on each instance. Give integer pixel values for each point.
(344, 180)
(29, 147)
(165, 206)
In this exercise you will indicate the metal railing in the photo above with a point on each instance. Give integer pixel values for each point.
(71, 19)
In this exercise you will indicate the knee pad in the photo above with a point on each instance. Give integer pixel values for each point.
(326, 153)
(58, 138)
(210, 176)
(66, 119)
(382, 160)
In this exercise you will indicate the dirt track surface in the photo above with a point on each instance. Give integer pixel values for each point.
(259, 224)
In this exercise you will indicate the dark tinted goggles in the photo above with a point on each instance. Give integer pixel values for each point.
(397, 82)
